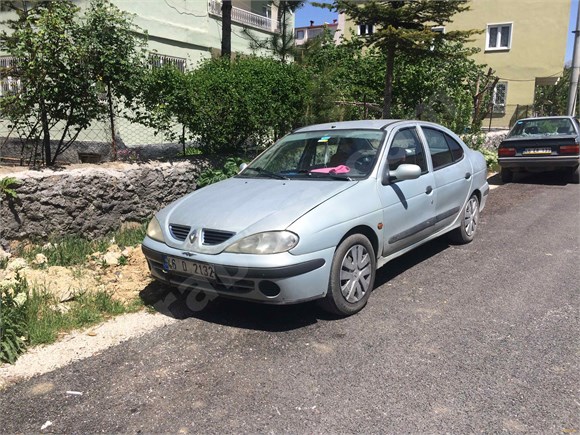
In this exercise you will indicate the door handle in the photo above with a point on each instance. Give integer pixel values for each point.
(467, 175)
(428, 190)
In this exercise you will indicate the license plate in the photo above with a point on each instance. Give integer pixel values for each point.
(189, 267)
(537, 151)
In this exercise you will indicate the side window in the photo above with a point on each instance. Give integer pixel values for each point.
(456, 149)
(406, 148)
(440, 151)
(443, 148)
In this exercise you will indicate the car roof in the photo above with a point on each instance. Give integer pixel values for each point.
(372, 124)
(539, 118)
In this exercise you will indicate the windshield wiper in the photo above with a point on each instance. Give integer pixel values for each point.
(329, 175)
(267, 173)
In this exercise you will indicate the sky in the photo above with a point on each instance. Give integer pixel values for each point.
(319, 16)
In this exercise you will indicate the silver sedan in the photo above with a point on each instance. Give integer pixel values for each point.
(316, 214)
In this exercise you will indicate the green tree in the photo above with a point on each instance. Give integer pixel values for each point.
(280, 43)
(436, 88)
(552, 100)
(117, 56)
(346, 80)
(56, 93)
(166, 102)
(404, 27)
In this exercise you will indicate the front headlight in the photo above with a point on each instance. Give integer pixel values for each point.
(272, 242)
(154, 230)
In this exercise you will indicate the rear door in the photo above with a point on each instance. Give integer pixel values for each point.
(452, 174)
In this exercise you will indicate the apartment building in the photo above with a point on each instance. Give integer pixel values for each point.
(523, 41)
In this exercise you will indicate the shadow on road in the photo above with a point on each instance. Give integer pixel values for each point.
(552, 178)
(183, 304)
(399, 265)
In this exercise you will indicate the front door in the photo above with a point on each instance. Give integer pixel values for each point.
(408, 205)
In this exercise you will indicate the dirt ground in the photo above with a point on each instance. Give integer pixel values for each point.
(124, 279)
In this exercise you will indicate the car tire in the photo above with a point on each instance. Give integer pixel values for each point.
(352, 276)
(507, 175)
(573, 175)
(469, 222)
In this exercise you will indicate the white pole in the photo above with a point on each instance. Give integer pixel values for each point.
(573, 95)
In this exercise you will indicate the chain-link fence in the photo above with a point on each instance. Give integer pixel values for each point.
(132, 141)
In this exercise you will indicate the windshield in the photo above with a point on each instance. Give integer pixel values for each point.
(332, 154)
(542, 127)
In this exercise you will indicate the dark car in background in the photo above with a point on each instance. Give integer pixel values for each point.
(541, 144)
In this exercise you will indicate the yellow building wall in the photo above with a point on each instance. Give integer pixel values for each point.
(538, 45)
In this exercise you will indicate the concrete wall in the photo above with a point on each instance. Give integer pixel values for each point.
(91, 201)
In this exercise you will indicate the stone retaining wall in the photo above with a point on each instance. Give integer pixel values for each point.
(92, 200)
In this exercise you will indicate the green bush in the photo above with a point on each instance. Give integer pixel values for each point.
(479, 142)
(190, 151)
(226, 105)
(7, 185)
(13, 316)
(210, 176)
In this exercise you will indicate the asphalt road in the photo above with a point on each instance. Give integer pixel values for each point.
(456, 339)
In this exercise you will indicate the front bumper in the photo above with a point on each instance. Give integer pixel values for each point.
(274, 279)
(547, 162)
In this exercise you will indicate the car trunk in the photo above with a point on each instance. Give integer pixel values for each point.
(539, 146)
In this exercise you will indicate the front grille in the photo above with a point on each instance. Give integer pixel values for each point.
(215, 237)
(179, 232)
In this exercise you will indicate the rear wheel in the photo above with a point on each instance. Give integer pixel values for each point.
(352, 276)
(469, 221)
(507, 175)
(573, 175)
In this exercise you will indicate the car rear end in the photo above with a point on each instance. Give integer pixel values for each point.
(539, 152)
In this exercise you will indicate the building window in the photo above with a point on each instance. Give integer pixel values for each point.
(299, 34)
(499, 37)
(499, 97)
(365, 29)
(159, 60)
(8, 84)
(267, 11)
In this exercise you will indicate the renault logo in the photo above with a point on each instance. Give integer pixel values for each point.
(193, 236)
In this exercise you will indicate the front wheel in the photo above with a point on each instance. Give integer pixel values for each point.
(469, 221)
(352, 276)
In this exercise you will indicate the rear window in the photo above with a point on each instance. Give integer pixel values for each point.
(542, 127)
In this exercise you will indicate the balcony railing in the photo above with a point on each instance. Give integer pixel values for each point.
(157, 60)
(246, 18)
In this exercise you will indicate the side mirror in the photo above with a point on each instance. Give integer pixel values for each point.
(243, 166)
(403, 172)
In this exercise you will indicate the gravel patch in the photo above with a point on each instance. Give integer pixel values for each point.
(79, 345)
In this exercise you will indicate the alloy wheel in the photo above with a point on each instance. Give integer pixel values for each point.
(471, 217)
(355, 273)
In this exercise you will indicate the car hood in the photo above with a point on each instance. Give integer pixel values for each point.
(247, 205)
